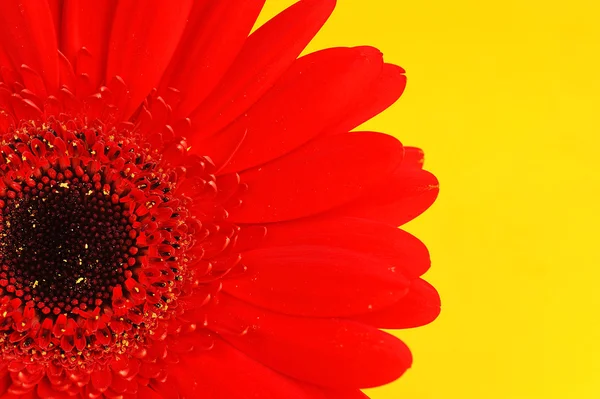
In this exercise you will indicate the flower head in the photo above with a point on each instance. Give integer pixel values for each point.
(184, 213)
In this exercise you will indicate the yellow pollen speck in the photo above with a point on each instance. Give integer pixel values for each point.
(35, 283)
(64, 185)
(79, 280)
(189, 148)
(86, 246)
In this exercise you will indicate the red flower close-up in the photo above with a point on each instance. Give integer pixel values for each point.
(187, 211)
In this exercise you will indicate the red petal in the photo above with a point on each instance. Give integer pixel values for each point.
(325, 173)
(328, 393)
(5, 380)
(46, 390)
(227, 373)
(328, 352)
(221, 148)
(267, 53)
(147, 393)
(66, 73)
(4, 60)
(88, 24)
(169, 389)
(397, 200)
(25, 109)
(317, 281)
(142, 42)
(101, 379)
(56, 11)
(312, 94)
(34, 82)
(419, 307)
(27, 34)
(213, 37)
(395, 247)
(250, 237)
(383, 92)
(18, 394)
(413, 158)
(346, 394)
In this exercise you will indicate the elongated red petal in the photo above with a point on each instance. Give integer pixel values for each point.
(396, 200)
(419, 307)
(88, 24)
(328, 352)
(329, 393)
(317, 281)
(313, 93)
(168, 389)
(4, 60)
(45, 390)
(214, 35)
(222, 148)
(388, 88)
(383, 241)
(413, 158)
(267, 53)
(5, 379)
(56, 7)
(145, 392)
(225, 373)
(143, 40)
(325, 173)
(101, 379)
(28, 36)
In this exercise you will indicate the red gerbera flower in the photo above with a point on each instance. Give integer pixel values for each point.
(183, 213)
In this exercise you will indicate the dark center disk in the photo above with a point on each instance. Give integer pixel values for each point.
(63, 245)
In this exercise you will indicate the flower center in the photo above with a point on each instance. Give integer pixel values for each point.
(63, 243)
(94, 244)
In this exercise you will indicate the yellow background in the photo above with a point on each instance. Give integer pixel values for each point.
(503, 97)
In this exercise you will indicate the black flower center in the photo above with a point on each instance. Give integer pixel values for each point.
(64, 244)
